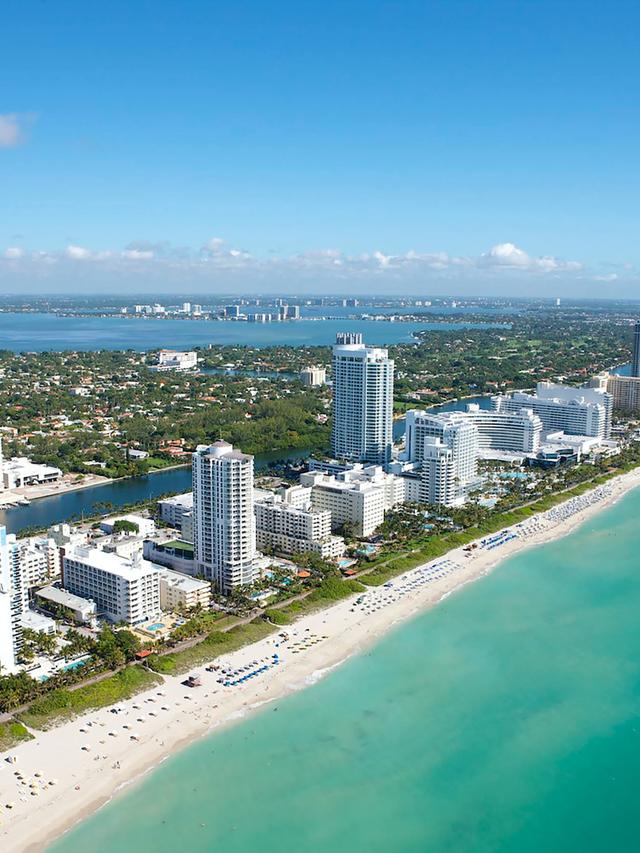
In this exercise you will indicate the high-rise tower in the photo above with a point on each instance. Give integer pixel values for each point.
(635, 361)
(362, 401)
(224, 533)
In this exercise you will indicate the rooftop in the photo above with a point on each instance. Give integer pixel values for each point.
(112, 563)
(66, 599)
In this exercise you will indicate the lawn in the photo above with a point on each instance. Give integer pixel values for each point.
(180, 544)
(11, 734)
(63, 704)
(217, 643)
(330, 591)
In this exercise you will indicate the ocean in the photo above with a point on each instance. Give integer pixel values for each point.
(506, 719)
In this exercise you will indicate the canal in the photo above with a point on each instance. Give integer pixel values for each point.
(94, 500)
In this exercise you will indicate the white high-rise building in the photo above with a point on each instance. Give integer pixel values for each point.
(291, 529)
(362, 401)
(13, 602)
(625, 390)
(576, 411)
(446, 446)
(224, 535)
(124, 590)
(355, 500)
(313, 376)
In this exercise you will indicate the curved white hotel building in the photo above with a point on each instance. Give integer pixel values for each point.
(575, 411)
(516, 432)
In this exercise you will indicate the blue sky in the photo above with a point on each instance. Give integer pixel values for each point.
(462, 147)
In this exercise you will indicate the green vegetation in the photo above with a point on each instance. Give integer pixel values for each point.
(179, 545)
(330, 591)
(217, 643)
(277, 616)
(387, 566)
(63, 704)
(12, 733)
(70, 406)
(111, 650)
(123, 525)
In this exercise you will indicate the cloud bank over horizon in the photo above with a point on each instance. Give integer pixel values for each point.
(216, 266)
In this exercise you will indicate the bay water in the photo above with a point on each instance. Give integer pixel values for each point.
(505, 719)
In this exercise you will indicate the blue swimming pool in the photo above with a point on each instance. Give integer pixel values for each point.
(157, 626)
(76, 664)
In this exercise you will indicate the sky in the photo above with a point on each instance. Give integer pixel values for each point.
(222, 146)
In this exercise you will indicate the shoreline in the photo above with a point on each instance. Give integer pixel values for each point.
(8, 501)
(329, 637)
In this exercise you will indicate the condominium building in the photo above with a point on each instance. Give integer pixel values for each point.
(362, 401)
(181, 591)
(313, 376)
(34, 565)
(13, 602)
(446, 447)
(288, 528)
(124, 590)
(575, 411)
(173, 360)
(20, 471)
(517, 432)
(360, 504)
(635, 361)
(625, 390)
(172, 509)
(223, 521)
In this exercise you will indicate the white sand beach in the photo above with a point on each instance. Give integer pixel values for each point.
(68, 772)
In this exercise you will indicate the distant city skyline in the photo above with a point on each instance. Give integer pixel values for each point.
(451, 148)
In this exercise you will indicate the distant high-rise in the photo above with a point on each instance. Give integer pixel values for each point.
(635, 361)
(224, 535)
(362, 401)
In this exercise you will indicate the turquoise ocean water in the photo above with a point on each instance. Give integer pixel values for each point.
(506, 719)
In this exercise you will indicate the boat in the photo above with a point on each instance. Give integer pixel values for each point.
(24, 502)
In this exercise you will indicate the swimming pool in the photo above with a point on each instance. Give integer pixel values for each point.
(157, 626)
(76, 664)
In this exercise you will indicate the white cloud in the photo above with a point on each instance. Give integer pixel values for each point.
(510, 256)
(138, 254)
(214, 245)
(78, 253)
(217, 263)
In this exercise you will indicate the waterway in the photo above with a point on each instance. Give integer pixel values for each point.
(41, 332)
(86, 502)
